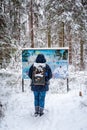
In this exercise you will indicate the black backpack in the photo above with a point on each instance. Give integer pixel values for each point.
(38, 77)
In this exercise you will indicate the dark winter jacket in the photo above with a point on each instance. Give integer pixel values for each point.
(48, 75)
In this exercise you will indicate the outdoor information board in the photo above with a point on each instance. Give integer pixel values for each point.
(56, 58)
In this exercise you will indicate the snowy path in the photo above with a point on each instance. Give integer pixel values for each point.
(62, 112)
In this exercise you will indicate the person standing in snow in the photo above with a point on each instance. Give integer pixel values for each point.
(39, 89)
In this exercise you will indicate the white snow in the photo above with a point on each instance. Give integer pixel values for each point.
(63, 111)
(39, 64)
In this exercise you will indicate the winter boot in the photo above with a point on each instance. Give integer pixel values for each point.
(41, 112)
(36, 111)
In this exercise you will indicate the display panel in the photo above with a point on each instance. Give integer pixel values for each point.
(57, 59)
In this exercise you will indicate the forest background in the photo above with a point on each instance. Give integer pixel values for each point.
(42, 24)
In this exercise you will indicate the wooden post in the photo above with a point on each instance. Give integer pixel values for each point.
(22, 85)
(67, 84)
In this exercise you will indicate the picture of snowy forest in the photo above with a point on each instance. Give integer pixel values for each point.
(25, 26)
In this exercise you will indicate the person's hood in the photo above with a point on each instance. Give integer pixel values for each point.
(40, 58)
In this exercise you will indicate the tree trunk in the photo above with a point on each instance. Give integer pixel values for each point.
(31, 25)
(14, 19)
(69, 41)
(70, 49)
(49, 32)
(61, 35)
(49, 37)
(81, 54)
(19, 24)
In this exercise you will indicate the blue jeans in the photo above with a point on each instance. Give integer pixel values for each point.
(39, 99)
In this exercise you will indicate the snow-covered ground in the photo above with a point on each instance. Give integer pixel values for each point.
(63, 110)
